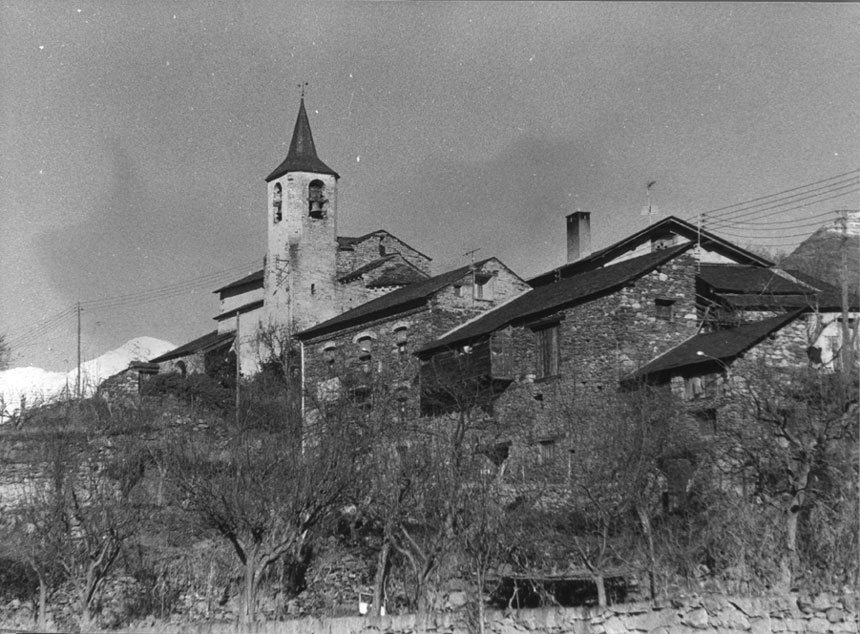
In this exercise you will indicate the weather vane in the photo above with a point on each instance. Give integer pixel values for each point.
(302, 88)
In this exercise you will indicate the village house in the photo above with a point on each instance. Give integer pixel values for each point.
(352, 354)
(668, 303)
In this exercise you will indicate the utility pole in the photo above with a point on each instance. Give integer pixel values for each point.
(78, 379)
(845, 351)
(236, 345)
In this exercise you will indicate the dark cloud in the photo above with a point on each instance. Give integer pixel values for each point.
(136, 139)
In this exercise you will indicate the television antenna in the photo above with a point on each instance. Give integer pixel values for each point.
(649, 210)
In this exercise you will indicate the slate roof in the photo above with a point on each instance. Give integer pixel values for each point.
(745, 279)
(401, 274)
(402, 299)
(830, 297)
(207, 342)
(366, 268)
(768, 301)
(553, 297)
(244, 308)
(709, 241)
(302, 155)
(346, 243)
(724, 345)
(256, 276)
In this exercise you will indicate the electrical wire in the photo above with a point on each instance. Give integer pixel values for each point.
(768, 223)
(177, 287)
(788, 200)
(717, 212)
(810, 200)
(35, 332)
(789, 209)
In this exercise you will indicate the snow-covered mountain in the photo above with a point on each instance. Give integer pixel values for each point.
(39, 386)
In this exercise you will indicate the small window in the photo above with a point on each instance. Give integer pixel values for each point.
(664, 309)
(707, 418)
(365, 347)
(458, 290)
(694, 387)
(316, 200)
(401, 339)
(329, 353)
(483, 287)
(276, 203)
(546, 345)
(365, 352)
(548, 450)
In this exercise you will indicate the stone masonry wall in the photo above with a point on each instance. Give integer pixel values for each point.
(372, 248)
(445, 310)
(600, 342)
(697, 614)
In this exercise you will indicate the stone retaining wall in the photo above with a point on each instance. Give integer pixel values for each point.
(700, 615)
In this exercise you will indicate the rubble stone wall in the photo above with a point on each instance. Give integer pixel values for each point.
(824, 614)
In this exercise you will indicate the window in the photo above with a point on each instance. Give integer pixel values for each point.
(276, 203)
(329, 354)
(694, 387)
(483, 287)
(365, 351)
(547, 449)
(401, 339)
(316, 200)
(707, 419)
(664, 308)
(546, 344)
(458, 290)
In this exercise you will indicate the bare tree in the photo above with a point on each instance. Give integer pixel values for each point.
(595, 517)
(5, 352)
(264, 489)
(80, 505)
(788, 432)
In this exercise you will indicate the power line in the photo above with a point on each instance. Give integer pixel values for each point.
(43, 327)
(767, 223)
(796, 207)
(794, 198)
(37, 332)
(771, 229)
(168, 289)
(779, 193)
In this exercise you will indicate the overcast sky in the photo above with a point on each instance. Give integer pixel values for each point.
(136, 136)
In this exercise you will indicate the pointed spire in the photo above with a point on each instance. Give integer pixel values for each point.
(302, 155)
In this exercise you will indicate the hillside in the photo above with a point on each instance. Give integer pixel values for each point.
(820, 255)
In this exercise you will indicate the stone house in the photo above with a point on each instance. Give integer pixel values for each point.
(128, 382)
(642, 308)
(355, 353)
(197, 356)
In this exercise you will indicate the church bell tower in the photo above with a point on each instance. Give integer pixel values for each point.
(300, 277)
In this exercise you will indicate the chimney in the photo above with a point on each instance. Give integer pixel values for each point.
(578, 235)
